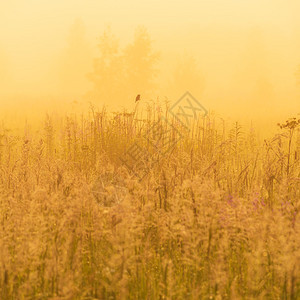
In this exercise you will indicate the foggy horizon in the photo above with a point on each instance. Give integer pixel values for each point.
(243, 55)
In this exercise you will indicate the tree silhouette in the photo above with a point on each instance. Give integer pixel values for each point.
(140, 61)
(108, 69)
(120, 74)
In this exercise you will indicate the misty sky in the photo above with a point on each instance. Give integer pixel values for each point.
(215, 32)
(25, 21)
(36, 25)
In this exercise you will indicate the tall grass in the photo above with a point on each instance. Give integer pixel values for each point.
(215, 217)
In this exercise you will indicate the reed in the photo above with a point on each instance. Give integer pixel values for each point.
(215, 216)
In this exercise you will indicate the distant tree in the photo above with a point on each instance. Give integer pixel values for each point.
(140, 63)
(108, 69)
(75, 61)
(120, 74)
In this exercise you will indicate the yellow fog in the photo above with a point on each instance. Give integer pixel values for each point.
(240, 59)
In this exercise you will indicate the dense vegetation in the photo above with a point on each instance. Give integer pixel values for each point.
(215, 216)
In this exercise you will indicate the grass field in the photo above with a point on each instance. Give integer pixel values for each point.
(215, 216)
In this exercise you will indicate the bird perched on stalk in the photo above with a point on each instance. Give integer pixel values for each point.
(138, 98)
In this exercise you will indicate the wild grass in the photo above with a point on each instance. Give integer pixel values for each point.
(215, 217)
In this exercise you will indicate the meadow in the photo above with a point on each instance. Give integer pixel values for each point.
(212, 214)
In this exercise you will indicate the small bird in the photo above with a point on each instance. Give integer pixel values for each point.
(138, 98)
